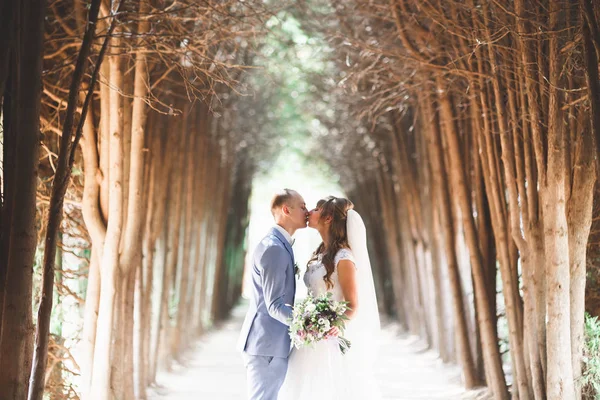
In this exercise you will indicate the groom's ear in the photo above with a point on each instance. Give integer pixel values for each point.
(285, 209)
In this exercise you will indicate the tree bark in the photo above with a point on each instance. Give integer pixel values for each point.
(432, 128)
(579, 217)
(6, 38)
(9, 151)
(25, 86)
(179, 333)
(175, 200)
(158, 225)
(92, 216)
(560, 384)
(100, 384)
(591, 46)
(389, 210)
(144, 278)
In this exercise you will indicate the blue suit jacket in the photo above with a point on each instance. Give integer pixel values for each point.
(265, 329)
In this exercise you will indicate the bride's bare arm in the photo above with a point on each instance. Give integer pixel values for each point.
(347, 278)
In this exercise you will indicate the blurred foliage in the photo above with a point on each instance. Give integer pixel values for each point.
(591, 358)
(284, 103)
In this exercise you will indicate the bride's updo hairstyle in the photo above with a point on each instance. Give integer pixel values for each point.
(335, 208)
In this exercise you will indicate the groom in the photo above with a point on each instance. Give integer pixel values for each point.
(264, 339)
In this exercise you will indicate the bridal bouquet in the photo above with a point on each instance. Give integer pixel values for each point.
(313, 317)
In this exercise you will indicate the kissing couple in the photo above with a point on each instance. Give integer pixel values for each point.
(339, 267)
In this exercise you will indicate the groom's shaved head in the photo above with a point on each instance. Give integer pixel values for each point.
(283, 197)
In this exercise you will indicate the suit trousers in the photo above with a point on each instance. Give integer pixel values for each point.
(265, 376)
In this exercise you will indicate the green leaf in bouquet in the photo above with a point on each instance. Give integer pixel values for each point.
(344, 344)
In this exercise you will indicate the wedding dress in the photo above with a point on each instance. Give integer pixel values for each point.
(322, 371)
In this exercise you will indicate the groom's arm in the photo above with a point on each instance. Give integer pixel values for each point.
(274, 263)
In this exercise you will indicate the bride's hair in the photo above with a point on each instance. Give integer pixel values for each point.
(335, 208)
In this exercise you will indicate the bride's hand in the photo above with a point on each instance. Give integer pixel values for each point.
(333, 332)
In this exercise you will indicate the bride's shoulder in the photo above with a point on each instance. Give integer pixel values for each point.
(344, 254)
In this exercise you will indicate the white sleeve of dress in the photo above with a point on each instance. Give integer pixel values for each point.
(344, 254)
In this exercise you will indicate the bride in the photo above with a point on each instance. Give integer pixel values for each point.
(340, 265)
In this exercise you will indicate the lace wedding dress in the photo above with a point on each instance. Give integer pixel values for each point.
(322, 371)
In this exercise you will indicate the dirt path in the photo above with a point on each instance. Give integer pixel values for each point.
(214, 370)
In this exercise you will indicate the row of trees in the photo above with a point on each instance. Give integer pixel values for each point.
(475, 126)
(464, 131)
(143, 97)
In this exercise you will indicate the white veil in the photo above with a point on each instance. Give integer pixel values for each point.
(364, 328)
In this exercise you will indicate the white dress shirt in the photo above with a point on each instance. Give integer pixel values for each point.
(285, 234)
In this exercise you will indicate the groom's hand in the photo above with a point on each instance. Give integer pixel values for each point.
(333, 332)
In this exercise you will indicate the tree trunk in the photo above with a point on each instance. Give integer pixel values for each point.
(92, 216)
(180, 339)
(127, 329)
(7, 31)
(158, 225)
(195, 326)
(579, 218)
(8, 143)
(175, 199)
(101, 376)
(143, 285)
(591, 45)
(219, 291)
(25, 86)
(158, 328)
(388, 210)
(90, 318)
(446, 221)
(560, 384)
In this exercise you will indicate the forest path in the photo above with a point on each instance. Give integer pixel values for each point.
(213, 369)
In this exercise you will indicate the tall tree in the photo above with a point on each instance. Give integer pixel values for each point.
(21, 148)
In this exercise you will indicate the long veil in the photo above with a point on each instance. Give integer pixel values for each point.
(363, 330)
